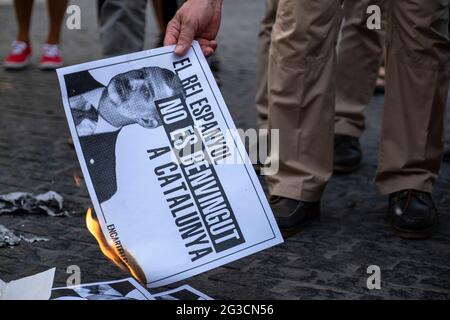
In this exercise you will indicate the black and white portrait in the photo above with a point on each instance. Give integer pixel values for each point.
(100, 111)
(184, 292)
(127, 289)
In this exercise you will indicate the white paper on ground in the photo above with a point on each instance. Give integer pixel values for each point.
(36, 287)
(169, 220)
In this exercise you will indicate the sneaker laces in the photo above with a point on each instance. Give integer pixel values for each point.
(18, 47)
(51, 50)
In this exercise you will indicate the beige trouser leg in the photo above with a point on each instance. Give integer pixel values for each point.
(301, 85)
(263, 62)
(360, 55)
(417, 73)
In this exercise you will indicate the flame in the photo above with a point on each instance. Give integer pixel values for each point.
(94, 228)
(110, 251)
(77, 179)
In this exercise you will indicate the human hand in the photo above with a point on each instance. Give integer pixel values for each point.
(196, 19)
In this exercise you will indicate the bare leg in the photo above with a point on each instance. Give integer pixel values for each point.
(23, 15)
(56, 12)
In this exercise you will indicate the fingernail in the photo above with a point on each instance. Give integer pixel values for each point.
(178, 49)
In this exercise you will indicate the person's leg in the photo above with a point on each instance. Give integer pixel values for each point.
(158, 8)
(263, 62)
(301, 84)
(51, 55)
(122, 26)
(23, 10)
(381, 80)
(56, 12)
(100, 4)
(164, 11)
(360, 55)
(417, 84)
(20, 52)
(417, 61)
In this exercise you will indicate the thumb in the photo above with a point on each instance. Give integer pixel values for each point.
(187, 33)
(172, 32)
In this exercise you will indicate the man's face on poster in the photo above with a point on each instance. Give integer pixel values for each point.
(130, 97)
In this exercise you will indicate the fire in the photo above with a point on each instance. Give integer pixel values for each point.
(77, 179)
(94, 228)
(109, 250)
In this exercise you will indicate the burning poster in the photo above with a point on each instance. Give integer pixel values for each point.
(171, 185)
(126, 289)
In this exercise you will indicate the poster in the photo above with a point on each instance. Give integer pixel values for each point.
(126, 289)
(184, 292)
(170, 181)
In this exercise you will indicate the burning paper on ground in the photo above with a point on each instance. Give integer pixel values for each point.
(185, 292)
(49, 203)
(172, 186)
(8, 238)
(126, 289)
(37, 287)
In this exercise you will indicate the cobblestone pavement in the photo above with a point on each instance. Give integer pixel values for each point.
(326, 261)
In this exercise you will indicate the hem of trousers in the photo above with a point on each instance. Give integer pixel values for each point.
(348, 129)
(406, 183)
(299, 195)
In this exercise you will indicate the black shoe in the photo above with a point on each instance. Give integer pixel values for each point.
(412, 214)
(292, 214)
(347, 153)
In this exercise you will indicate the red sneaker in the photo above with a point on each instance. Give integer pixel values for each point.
(19, 56)
(51, 57)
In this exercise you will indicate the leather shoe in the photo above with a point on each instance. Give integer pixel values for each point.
(412, 214)
(347, 153)
(291, 214)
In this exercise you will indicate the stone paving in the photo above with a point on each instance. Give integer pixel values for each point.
(326, 261)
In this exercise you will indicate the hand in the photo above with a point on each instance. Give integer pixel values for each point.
(199, 19)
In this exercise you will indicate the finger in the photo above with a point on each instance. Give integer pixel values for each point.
(207, 51)
(172, 32)
(208, 46)
(187, 33)
(207, 43)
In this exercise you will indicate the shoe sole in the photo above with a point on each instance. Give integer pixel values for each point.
(413, 234)
(16, 66)
(289, 232)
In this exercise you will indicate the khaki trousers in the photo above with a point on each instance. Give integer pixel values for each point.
(359, 58)
(417, 78)
(360, 55)
(262, 107)
(302, 87)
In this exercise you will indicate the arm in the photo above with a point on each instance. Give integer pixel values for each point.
(196, 19)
